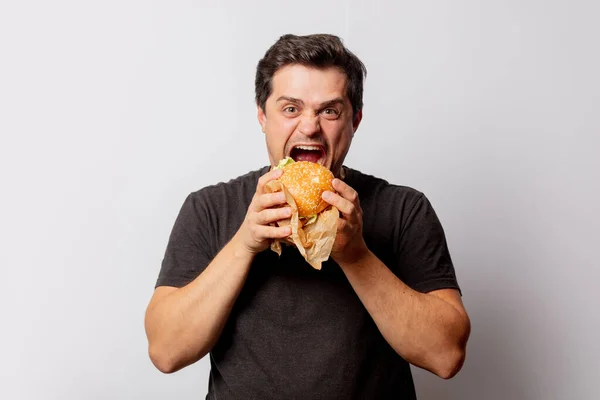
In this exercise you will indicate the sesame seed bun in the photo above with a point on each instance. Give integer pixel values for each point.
(306, 181)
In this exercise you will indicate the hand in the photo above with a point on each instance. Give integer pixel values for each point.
(349, 245)
(255, 233)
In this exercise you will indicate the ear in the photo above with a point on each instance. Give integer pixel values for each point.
(262, 118)
(356, 120)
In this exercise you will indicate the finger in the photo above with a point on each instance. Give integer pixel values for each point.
(269, 215)
(345, 191)
(269, 200)
(345, 206)
(272, 232)
(269, 176)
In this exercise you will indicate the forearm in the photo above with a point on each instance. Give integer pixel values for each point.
(424, 329)
(184, 325)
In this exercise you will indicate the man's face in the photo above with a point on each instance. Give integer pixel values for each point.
(308, 116)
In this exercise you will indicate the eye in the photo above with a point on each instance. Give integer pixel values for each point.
(290, 110)
(330, 113)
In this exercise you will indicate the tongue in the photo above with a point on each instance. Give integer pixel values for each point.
(307, 155)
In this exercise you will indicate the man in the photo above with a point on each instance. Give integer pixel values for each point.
(275, 327)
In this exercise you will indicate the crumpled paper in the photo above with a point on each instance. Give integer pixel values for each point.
(314, 241)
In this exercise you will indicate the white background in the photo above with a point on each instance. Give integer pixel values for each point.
(112, 112)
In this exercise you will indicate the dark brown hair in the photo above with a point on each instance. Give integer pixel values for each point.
(320, 51)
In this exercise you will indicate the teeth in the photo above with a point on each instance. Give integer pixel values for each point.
(313, 148)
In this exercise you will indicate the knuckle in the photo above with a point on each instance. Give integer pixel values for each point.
(261, 201)
(270, 200)
(262, 218)
(278, 197)
(274, 198)
(261, 182)
(277, 214)
(255, 206)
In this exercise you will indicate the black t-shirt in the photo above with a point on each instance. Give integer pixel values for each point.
(296, 332)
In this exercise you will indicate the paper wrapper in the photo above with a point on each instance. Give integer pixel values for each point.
(314, 241)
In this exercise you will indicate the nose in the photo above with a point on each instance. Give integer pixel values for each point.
(309, 125)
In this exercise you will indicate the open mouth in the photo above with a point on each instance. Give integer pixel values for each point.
(314, 154)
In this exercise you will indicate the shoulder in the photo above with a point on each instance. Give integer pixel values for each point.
(237, 189)
(372, 189)
(215, 212)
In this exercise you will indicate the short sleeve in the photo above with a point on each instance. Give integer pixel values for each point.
(422, 252)
(188, 251)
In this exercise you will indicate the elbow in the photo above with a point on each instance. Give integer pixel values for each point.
(161, 360)
(453, 360)
(167, 362)
(451, 365)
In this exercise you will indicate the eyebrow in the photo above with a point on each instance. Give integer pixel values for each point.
(327, 103)
(290, 99)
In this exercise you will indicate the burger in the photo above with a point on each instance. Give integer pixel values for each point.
(306, 181)
(313, 221)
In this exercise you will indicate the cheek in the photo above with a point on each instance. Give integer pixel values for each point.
(337, 133)
(279, 130)
(287, 125)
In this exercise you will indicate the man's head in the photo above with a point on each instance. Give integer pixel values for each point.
(309, 94)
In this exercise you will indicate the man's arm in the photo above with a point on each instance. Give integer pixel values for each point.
(183, 324)
(429, 330)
